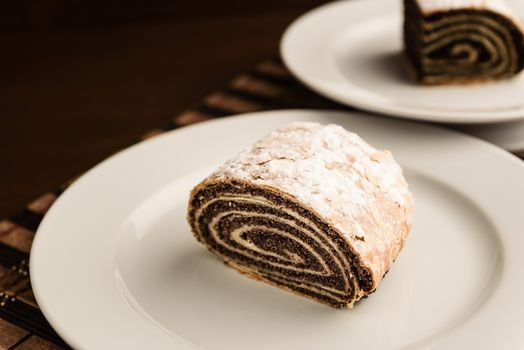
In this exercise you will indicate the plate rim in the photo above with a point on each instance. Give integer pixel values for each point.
(396, 110)
(34, 269)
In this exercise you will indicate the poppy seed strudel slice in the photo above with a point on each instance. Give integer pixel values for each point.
(309, 208)
(462, 41)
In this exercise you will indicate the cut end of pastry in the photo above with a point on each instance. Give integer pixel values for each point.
(268, 236)
(463, 41)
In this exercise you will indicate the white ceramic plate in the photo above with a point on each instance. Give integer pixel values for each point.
(350, 51)
(114, 264)
(509, 135)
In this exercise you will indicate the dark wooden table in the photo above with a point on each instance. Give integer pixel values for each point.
(81, 80)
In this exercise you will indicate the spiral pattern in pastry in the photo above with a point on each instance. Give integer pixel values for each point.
(462, 41)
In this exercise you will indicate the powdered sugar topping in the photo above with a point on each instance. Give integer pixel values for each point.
(320, 165)
(429, 6)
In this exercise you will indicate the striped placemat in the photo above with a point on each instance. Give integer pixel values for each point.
(267, 86)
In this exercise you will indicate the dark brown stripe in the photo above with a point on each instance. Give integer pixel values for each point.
(308, 292)
(214, 111)
(273, 68)
(277, 80)
(251, 96)
(28, 219)
(10, 256)
(31, 319)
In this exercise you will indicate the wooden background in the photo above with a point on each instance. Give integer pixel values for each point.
(82, 79)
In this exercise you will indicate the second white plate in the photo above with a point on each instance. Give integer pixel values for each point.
(351, 51)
